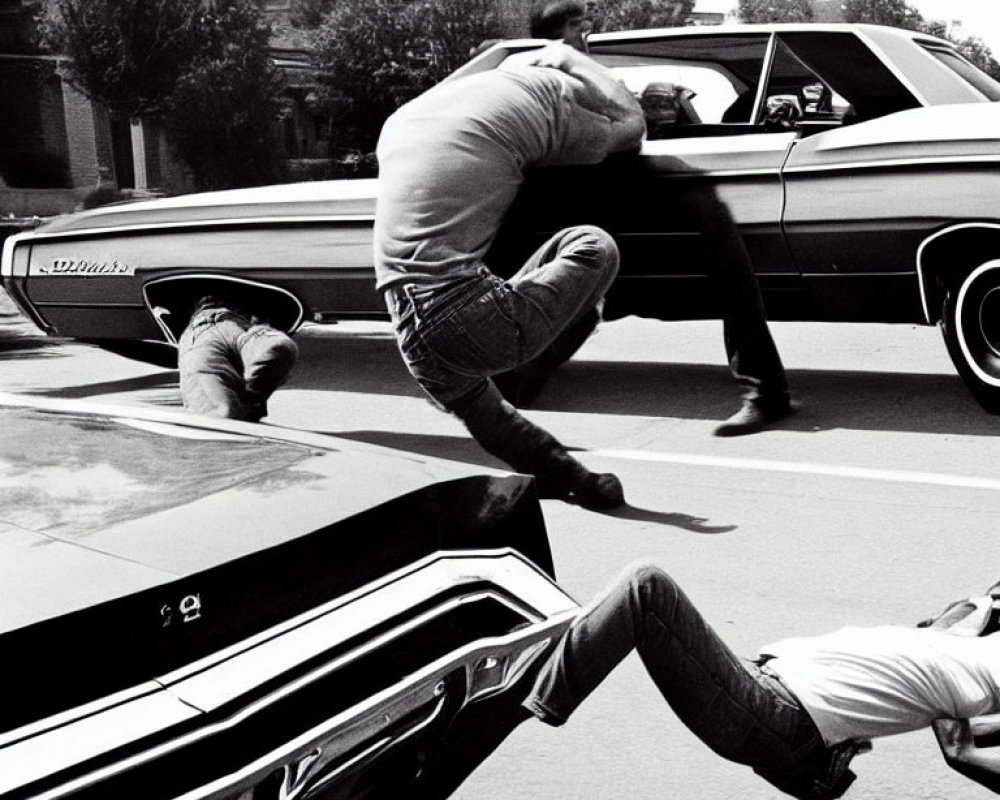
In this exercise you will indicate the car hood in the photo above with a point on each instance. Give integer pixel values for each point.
(307, 201)
(119, 528)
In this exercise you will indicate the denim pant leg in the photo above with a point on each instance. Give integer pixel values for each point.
(451, 341)
(753, 357)
(563, 281)
(268, 357)
(211, 372)
(738, 711)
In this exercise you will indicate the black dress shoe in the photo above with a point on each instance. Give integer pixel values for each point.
(755, 415)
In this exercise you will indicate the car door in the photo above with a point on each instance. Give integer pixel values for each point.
(857, 201)
(714, 149)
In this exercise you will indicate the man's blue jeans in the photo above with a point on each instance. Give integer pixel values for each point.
(453, 339)
(229, 366)
(734, 706)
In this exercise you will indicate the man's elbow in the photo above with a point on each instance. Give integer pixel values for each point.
(628, 135)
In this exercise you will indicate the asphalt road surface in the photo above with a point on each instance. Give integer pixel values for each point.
(877, 502)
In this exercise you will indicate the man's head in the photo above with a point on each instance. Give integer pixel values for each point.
(559, 19)
(659, 104)
(594, 15)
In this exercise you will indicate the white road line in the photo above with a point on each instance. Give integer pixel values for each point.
(861, 473)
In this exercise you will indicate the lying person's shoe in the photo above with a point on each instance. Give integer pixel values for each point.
(755, 415)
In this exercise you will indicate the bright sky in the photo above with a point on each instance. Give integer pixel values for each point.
(979, 17)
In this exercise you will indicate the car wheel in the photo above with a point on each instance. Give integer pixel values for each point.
(971, 327)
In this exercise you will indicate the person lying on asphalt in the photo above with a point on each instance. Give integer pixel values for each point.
(804, 707)
(230, 360)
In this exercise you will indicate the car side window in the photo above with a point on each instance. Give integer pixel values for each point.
(698, 85)
(796, 98)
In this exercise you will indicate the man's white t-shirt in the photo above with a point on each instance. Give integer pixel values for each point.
(859, 683)
(451, 162)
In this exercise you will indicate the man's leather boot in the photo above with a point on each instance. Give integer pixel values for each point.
(506, 434)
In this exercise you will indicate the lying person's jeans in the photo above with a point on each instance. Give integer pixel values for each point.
(453, 339)
(739, 710)
(229, 366)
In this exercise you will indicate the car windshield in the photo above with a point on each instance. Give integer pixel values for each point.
(70, 474)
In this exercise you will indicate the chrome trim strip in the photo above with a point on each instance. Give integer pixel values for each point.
(920, 258)
(72, 715)
(430, 672)
(483, 556)
(208, 662)
(889, 163)
(7, 257)
(388, 743)
(839, 275)
(42, 236)
(216, 277)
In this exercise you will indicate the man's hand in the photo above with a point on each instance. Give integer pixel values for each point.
(954, 737)
(957, 739)
(973, 616)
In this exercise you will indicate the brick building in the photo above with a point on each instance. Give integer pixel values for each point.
(53, 138)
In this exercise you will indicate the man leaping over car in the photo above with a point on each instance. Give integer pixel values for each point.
(450, 164)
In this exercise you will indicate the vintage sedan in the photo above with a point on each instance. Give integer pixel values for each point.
(204, 609)
(860, 163)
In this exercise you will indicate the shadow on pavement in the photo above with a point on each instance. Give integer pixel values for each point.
(672, 518)
(467, 451)
(826, 399)
(25, 347)
(140, 383)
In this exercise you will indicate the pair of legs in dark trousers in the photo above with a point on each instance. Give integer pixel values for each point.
(454, 338)
(753, 356)
(230, 365)
(750, 349)
(739, 710)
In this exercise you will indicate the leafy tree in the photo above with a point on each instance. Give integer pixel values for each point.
(198, 66)
(626, 15)
(775, 11)
(220, 116)
(309, 13)
(897, 13)
(374, 55)
(125, 54)
(975, 49)
(902, 15)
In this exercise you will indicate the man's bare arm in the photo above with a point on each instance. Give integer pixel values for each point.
(596, 89)
(956, 738)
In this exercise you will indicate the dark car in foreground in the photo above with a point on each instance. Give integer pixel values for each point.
(244, 612)
(861, 164)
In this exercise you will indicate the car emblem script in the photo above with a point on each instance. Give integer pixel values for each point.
(81, 266)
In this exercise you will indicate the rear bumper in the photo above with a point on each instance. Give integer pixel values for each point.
(318, 703)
